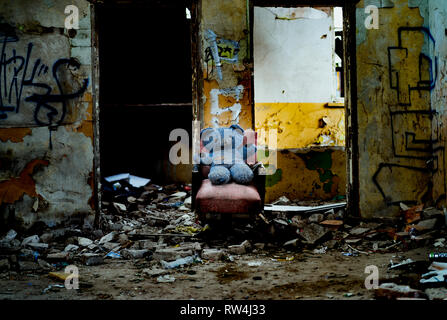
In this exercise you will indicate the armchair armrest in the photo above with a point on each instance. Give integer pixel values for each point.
(196, 182)
(259, 169)
(259, 180)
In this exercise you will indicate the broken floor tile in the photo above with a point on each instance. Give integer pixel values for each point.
(169, 254)
(108, 237)
(121, 208)
(154, 272)
(32, 239)
(426, 224)
(298, 221)
(60, 256)
(179, 262)
(239, 248)
(316, 218)
(71, 247)
(195, 246)
(312, 233)
(212, 254)
(431, 212)
(358, 231)
(134, 254)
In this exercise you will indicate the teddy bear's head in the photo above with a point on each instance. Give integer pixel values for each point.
(223, 145)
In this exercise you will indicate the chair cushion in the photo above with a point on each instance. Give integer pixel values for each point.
(227, 198)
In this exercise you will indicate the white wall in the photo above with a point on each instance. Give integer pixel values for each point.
(293, 55)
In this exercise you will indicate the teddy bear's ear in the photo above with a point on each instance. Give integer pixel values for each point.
(237, 128)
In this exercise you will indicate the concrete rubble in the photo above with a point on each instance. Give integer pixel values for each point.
(148, 228)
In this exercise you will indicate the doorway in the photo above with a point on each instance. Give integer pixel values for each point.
(303, 89)
(144, 86)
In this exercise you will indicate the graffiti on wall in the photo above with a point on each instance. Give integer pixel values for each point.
(415, 132)
(25, 73)
(218, 52)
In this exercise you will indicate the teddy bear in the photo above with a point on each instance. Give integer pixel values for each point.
(227, 155)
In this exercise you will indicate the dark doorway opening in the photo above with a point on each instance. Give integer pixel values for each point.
(144, 87)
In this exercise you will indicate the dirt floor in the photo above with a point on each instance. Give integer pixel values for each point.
(308, 276)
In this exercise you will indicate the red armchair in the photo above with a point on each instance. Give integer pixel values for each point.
(231, 200)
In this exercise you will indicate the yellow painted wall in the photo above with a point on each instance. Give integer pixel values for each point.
(319, 173)
(298, 123)
(311, 174)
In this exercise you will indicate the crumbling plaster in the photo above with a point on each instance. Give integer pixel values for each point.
(399, 129)
(47, 175)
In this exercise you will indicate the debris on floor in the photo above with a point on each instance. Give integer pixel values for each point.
(154, 227)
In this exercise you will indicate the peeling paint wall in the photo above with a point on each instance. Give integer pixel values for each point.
(438, 27)
(46, 124)
(302, 124)
(224, 33)
(400, 141)
(294, 76)
(308, 174)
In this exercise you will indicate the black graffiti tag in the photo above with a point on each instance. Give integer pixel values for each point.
(13, 84)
